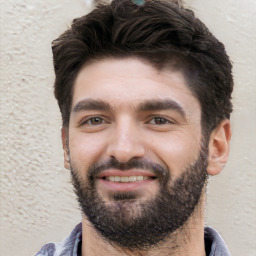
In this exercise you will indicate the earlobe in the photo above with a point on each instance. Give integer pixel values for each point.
(64, 137)
(219, 147)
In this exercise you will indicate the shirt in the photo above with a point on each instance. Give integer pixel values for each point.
(71, 246)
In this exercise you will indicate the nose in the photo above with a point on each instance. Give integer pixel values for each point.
(126, 141)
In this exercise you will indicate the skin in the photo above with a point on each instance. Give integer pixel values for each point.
(128, 128)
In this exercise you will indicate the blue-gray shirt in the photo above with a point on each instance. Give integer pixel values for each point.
(71, 246)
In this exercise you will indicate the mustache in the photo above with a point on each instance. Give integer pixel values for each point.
(135, 163)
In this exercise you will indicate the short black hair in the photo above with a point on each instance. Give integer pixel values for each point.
(160, 31)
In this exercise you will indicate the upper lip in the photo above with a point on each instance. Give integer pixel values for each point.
(126, 173)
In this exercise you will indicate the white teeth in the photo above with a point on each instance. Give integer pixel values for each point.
(117, 178)
(112, 178)
(126, 178)
(140, 178)
(132, 178)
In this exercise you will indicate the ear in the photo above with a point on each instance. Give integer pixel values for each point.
(219, 147)
(64, 137)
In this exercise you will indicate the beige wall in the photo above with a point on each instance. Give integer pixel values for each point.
(37, 202)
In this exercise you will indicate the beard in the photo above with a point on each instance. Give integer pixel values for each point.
(131, 223)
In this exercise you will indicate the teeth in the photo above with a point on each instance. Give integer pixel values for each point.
(117, 178)
(140, 178)
(126, 178)
(132, 178)
(112, 178)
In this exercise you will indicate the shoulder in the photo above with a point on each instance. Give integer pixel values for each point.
(68, 247)
(47, 250)
(214, 243)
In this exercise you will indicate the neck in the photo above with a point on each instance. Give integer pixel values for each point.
(186, 241)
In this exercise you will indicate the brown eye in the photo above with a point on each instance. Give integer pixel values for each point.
(94, 121)
(159, 121)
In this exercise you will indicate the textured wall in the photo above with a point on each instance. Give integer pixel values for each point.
(37, 202)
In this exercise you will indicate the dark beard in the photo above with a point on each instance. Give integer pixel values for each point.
(132, 224)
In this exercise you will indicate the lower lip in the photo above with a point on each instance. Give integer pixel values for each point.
(124, 186)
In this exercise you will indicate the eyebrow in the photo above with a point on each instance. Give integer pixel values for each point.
(166, 104)
(90, 104)
(148, 105)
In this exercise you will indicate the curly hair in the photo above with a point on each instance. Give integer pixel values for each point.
(160, 31)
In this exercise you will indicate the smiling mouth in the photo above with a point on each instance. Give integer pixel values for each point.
(127, 179)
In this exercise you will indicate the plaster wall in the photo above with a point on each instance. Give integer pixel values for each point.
(37, 203)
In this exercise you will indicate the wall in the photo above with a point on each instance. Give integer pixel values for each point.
(37, 203)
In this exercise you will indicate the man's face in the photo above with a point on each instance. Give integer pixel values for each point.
(135, 151)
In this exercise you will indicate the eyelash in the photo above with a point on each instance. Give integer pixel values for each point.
(89, 119)
(167, 121)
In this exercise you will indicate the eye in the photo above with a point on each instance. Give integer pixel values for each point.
(159, 121)
(95, 120)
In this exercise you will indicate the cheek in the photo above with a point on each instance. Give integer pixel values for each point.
(176, 151)
(85, 149)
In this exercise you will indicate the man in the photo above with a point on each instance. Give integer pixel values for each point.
(144, 92)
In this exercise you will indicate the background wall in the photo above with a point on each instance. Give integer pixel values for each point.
(37, 202)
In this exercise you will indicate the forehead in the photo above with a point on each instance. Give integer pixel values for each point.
(128, 82)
